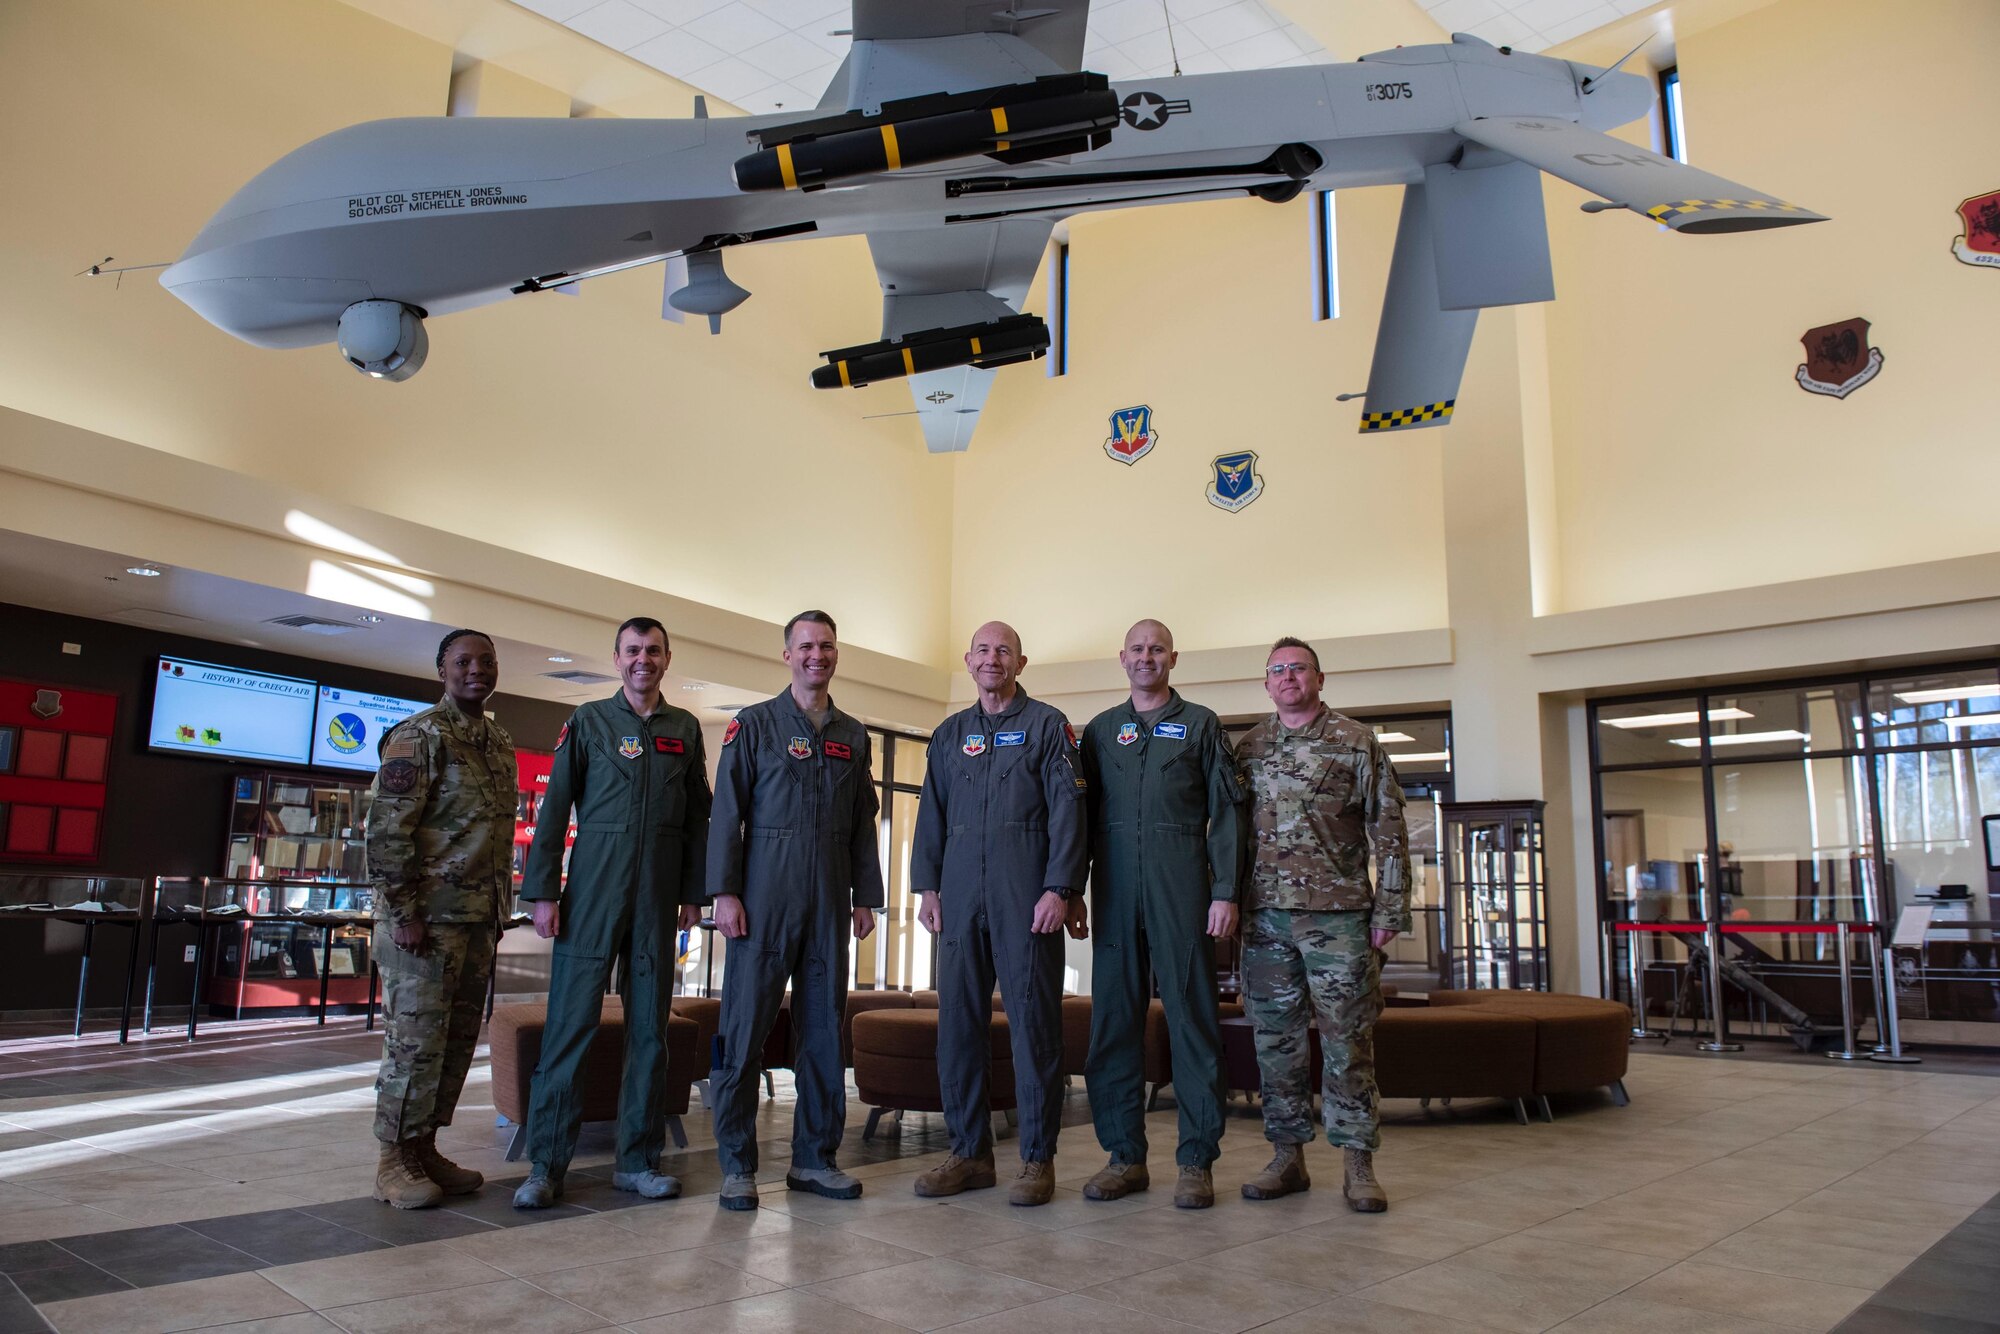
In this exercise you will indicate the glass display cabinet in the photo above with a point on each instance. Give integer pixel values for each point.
(1495, 895)
(290, 826)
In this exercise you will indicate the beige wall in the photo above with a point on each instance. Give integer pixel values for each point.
(1204, 313)
(1687, 460)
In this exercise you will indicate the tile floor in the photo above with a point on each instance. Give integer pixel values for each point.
(166, 1187)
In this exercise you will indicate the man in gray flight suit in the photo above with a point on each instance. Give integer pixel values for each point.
(1166, 840)
(792, 867)
(999, 851)
(633, 768)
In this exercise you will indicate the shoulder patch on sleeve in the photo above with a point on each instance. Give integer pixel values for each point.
(562, 736)
(729, 732)
(1069, 734)
(401, 745)
(399, 777)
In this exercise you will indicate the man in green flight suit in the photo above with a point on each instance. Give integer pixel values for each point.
(633, 768)
(440, 846)
(1166, 840)
(1323, 797)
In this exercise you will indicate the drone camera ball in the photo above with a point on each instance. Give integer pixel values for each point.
(384, 339)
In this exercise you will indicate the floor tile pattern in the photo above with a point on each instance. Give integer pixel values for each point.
(165, 1186)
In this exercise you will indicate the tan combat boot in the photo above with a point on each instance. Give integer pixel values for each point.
(1195, 1189)
(1282, 1176)
(1116, 1180)
(400, 1179)
(1364, 1193)
(957, 1174)
(449, 1176)
(1036, 1184)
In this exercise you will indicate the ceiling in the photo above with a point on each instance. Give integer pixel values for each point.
(80, 581)
(1529, 25)
(773, 55)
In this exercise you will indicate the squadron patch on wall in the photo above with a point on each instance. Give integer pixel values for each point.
(1235, 483)
(1979, 243)
(1132, 434)
(1838, 358)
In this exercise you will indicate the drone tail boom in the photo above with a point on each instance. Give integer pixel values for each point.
(1420, 346)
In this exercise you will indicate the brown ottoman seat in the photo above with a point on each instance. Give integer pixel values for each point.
(1581, 1042)
(514, 1036)
(862, 1002)
(895, 1063)
(1456, 1052)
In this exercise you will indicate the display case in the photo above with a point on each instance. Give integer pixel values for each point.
(1495, 895)
(287, 924)
(283, 944)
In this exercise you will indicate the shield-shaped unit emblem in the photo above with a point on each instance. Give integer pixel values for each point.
(1132, 434)
(1838, 359)
(975, 744)
(1980, 242)
(800, 748)
(48, 703)
(1235, 483)
(1127, 733)
(629, 747)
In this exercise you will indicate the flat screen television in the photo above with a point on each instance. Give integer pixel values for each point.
(348, 726)
(203, 708)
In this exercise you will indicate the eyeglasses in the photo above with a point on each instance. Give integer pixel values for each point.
(1279, 669)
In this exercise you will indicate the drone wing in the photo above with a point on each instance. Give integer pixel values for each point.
(1669, 192)
(910, 48)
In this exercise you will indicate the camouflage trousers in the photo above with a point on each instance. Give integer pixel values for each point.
(432, 1006)
(1302, 968)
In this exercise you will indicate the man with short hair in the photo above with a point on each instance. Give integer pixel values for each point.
(632, 766)
(999, 852)
(440, 860)
(1323, 796)
(1166, 842)
(793, 868)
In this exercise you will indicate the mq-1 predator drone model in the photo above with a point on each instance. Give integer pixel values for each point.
(956, 134)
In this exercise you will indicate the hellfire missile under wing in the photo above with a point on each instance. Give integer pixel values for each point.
(1669, 192)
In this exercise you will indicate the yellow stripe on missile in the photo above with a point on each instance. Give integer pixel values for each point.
(999, 120)
(845, 381)
(785, 168)
(890, 151)
(909, 363)
(975, 347)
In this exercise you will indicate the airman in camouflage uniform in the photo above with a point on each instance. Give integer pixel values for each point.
(440, 848)
(1322, 797)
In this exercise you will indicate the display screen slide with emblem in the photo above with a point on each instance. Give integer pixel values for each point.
(202, 708)
(348, 726)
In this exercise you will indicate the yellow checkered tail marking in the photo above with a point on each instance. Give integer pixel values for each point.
(1680, 207)
(1401, 417)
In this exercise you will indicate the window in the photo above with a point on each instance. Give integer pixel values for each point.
(1325, 259)
(1058, 358)
(1670, 109)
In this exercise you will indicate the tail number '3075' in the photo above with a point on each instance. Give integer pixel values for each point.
(1389, 92)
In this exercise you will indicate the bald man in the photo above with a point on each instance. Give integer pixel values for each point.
(999, 854)
(1166, 843)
